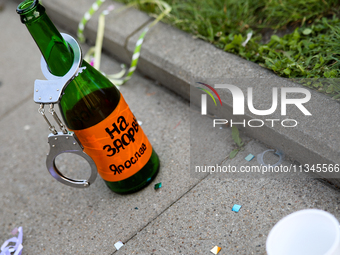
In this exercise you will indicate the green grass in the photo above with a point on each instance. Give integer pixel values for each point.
(308, 48)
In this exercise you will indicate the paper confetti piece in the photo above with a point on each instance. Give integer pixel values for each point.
(158, 185)
(249, 157)
(92, 62)
(15, 231)
(16, 244)
(249, 35)
(236, 208)
(215, 250)
(119, 245)
(177, 124)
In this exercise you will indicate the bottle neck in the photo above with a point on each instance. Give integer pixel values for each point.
(57, 53)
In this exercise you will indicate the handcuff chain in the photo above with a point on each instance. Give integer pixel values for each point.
(41, 110)
(57, 119)
(52, 128)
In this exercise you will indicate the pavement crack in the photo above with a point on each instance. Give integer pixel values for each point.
(161, 213)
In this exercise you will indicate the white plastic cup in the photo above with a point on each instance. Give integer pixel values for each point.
(306, 232)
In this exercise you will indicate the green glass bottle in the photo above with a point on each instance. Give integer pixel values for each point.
(95, 110)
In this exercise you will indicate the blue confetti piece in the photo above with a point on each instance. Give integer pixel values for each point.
(236, 208)
(249, 157)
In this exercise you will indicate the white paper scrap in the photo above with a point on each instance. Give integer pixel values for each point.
(249, 35)
(118, 245)
(215, 250)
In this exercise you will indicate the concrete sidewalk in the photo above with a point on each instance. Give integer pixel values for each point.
(178, 61)
(188, 215)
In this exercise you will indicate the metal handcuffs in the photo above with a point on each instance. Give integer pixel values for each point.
(50, 92)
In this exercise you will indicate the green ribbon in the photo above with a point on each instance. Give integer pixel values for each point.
(95, 52)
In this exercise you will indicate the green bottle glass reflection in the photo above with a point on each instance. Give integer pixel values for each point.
(88, 101)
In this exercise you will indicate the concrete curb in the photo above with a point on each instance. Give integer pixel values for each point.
(175, 59)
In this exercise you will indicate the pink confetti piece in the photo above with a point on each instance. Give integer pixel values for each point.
(177, 124)
(92, 62)
(108, 9)
(111, 8)
(14, 231)
(16, 244)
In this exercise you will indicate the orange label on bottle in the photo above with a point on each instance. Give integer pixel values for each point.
(117, 144)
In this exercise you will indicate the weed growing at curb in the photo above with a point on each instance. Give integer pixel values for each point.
(238, 142)
(294, 39)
